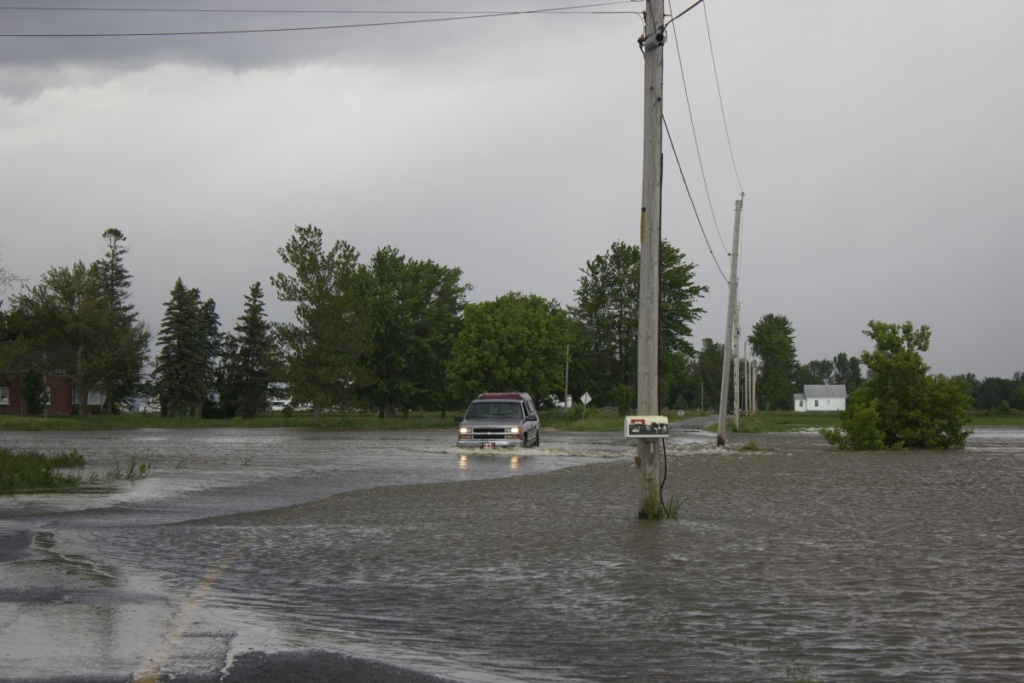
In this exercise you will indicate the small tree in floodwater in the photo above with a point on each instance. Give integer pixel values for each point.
(900, 404)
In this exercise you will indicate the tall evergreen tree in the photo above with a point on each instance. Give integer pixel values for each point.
(189, 340)
(123, 343)
(249, 359)
(325, 342)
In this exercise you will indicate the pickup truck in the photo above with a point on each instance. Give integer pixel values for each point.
(500, 419)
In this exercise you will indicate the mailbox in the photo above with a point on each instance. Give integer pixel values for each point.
(646, 427)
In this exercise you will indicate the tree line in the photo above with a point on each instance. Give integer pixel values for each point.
(393, 335)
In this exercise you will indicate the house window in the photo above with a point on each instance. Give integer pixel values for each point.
(47, 396)
(815, 403)
(5, 396)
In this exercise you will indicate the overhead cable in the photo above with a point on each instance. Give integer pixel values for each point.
(672, 144)
(446, 18)
(720, 101)
(693, 126)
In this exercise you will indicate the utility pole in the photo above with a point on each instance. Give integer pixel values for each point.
(723, 400)
(568, 399)
(736, 398)
(650, 254)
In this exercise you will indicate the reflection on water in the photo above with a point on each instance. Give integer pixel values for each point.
(850, 566)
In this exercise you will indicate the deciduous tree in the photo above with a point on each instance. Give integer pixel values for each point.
(514, 343)
(607, 313)
(900, 404)
(325, 342)
(412, 310)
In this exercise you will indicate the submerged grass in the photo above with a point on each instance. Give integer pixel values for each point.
(27, 470)
(22, 471)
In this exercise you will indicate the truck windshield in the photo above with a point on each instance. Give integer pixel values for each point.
(494, 409)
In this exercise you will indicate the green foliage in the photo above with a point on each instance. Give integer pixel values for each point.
(900, 405)
(250, 360)
(606, 317)
(122, 348)
(78, 320)
(514, 343)
(33, 391)
(771, 340)
(190, 341)
(20, 471)
(709, 371)
(623, 398)
(132, 471)
(413, 310)
(324, 344)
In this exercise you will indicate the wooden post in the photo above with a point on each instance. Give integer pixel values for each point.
(649, 465)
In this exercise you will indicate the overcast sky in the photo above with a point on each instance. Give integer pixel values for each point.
(878, 142)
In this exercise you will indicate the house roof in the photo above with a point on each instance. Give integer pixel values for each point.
(813, 391)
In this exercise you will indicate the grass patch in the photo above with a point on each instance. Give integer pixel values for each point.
(991, 418)
(30, 470)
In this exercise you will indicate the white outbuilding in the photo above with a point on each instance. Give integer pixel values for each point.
(820, 398)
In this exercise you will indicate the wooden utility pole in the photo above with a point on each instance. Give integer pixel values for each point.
(568, 398)
(736, 398)
(648, 463)
(723, 400)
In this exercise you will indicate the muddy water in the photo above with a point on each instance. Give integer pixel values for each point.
(793, 559)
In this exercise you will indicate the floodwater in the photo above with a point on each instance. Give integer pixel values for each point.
(792, 560)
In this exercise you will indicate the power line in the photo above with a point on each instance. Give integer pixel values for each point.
(720, 102)
(237, 10)
(693, 126)
(448, 17)
(687, 186)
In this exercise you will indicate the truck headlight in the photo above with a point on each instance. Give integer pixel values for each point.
(513, 430)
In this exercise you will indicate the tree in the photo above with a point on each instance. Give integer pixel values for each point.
(846, 371)
(325, 342)
(62, 323)
(123, 341)
(189, 342)
(250, 357)
(412, 310)
(771, 340)
(900, 405)
(607, 313)
(709, 371)
(514, 343)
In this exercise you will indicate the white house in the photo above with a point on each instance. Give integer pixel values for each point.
(820, 398)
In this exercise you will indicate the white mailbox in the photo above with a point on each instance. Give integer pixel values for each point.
(646, 427)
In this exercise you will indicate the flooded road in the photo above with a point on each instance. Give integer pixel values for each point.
(792, 560)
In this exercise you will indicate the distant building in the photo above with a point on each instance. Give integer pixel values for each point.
(60, 392)
(820, 398)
